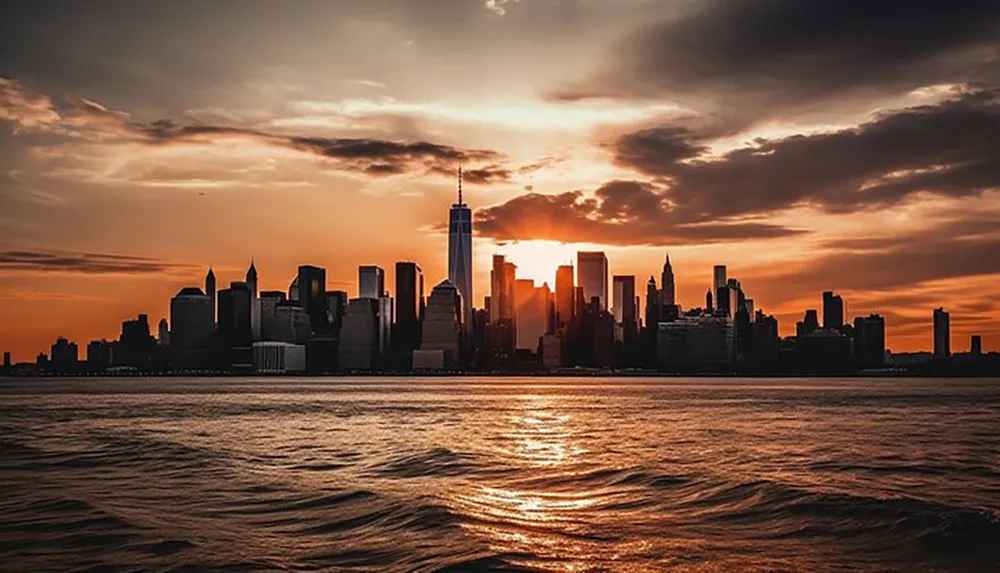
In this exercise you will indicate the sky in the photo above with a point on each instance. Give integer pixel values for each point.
(841, 145)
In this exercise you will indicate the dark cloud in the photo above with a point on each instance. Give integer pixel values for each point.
(84, 263)
(757, 58)
(620, 213)
(951, 148)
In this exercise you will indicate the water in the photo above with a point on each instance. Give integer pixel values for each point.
(500, 475)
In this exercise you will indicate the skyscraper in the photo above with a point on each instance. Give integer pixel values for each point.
(592, 270)
(976, 346)
(311, 283)
(564, 295)
(502, 279)
(833, 311)
(942, 334)
(371, 282)
(191, 323)
(720, 289)
(255, 324)
(442, 327)
(668, 292)
(719, 273)
(534, 311)
(652, 304)
(869, 342)
(624, 300)
(163, 333)
(460, 251)
(409, 299)
(210, 291)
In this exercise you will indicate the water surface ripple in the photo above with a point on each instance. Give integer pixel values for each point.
(499, 475)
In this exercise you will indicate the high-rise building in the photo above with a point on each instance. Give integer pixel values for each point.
(625, 311)
(293, 290)
(442, 326)
(592, 275)
(460, 250)
(696, 343)
(136, 346)
(709, 307)
(652, 317)
(942, 334)
(728, 298)
(210, 291)
(502, 279)
(269, 301)
(809, 324)
(358, 349)
(64, 356)
(976, 346)
(163, 333)
(409, 302)
(833, 311)
(371, 282)
(292, 323)
(255, 319)
(668, 293)
(6, 361)
(312, 296)
(534, 312)
(191, 323)
(336, 307)
(99, 355)
(869, 341)
(235, 327)
(719, 276)
(564, 295)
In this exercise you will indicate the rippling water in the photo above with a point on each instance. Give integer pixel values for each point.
(500, 475)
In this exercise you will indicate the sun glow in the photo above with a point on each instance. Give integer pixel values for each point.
(538, 260)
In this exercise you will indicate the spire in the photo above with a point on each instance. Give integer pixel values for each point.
(252, 271)
(667, 263)
(459, 184)
(210, 273)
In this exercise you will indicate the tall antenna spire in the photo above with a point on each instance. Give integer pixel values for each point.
(459, 184)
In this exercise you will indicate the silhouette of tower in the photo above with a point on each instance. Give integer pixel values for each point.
(668, 295)
(460, 251)
(251, 280)
(210, 291)
(833, 311)
(564, 295)
(592, 275)
(942, 334)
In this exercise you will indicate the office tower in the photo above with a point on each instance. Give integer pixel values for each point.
(293, 290)
(668, 293)
(6, 361)
(64, 355)
(136, 346)
(696, 343)
(976, 346)
(442, 325)
(409, 299)
(719, 274)
(312, 296)
(269, 301)
(833, 311)
(255, 322)
(460, 250)
(809, 324)
(292, 323)
(766, 343)
(869, 342)
(371, 282)
(708, 302)
(191, 324)
(564, 295)
(336, 307)
(502, 279)
(358, 348)
(751, 311)
(533, 309)
(942, 334)
(625, 311)
(210, 291)
(728, 298)
(235, 327)
(385, 312)
(592, 271)
(163, 333)
(652, 304)
(99, 353)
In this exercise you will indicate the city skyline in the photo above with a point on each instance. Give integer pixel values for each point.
(125, 173)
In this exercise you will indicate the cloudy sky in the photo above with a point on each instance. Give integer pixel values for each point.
(840, 145)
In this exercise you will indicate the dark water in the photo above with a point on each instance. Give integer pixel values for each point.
(500, 475)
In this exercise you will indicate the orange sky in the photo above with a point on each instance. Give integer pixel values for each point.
(330, 136)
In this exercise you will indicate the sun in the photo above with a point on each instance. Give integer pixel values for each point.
(538, 260)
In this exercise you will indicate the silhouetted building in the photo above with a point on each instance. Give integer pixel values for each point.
(409, 307)
(210, 291)
(564, 296)
(709, 307)
(823, 352)
(371, 282)
(64, 356)
(336, 307)
(163, 333)
(460, 251)
(551, 351)
(293, 290)
(256, 326)
(719, 278)
(502, 332)
(136, 346)
(668, 288)
(358, 348)
(292, 324)
(592, 276)
(942, 334)
(766, 344)
(700, 343)
(235, 327)
(192, 325)
(869, 342)
(6, 362)
(833, 311)
(442, 325)
(269, 301)
(976, 346)
(99, 355)
(534, 311)
(312, 296)
(809, 324)
(627, 318)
